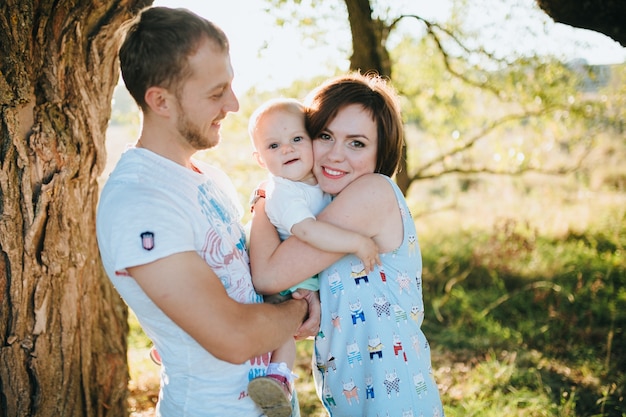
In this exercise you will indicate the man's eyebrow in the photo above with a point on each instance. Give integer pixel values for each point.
(220, 86)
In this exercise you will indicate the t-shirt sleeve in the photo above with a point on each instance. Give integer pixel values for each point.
(137, 226)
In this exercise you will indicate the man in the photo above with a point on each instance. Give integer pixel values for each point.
(169, 226)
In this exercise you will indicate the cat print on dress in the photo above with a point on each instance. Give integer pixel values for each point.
(357, 312)
(351, 392)
(420, 384)
(399, 314)
(375, 348)
(369, 388)
(392, 383)
(358, 274)
(336, 319)
(398, 350)
(404, 282)
(335, 284)
(382, 307)
(417, 314)
(412, 245)
(354, 353)
(328, 397)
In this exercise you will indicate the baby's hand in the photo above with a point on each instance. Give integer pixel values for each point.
(368, 253)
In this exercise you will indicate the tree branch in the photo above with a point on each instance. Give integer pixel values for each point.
(432, 30)
(420, 172)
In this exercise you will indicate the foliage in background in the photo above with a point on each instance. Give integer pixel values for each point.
(424, 57)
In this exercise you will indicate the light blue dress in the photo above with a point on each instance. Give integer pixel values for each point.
(372, 357)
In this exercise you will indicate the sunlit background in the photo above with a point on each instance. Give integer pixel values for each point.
(268, 56)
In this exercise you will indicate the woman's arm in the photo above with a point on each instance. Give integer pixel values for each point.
(363, 207)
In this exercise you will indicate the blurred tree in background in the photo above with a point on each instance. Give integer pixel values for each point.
(467, 104)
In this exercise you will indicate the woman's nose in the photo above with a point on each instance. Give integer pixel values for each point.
(335, 153)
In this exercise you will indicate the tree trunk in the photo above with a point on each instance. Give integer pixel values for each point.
(368, 39)
(62, 325)
(369, 53)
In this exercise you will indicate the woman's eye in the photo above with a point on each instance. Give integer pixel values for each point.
(358, 144)
(324, 136)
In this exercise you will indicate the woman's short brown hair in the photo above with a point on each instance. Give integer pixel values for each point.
(377, 96)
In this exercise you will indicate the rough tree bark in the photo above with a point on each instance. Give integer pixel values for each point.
(62, 326)
(604, 16)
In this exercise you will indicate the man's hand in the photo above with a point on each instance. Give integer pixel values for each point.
(311, 325)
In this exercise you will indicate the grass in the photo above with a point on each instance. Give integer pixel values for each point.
(143, 372)
(536, 323)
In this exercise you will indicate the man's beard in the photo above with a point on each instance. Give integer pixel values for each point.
(192, 133)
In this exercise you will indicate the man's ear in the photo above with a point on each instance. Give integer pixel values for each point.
(259, 160)
(157, 98)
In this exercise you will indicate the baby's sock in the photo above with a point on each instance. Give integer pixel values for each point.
(281, 369)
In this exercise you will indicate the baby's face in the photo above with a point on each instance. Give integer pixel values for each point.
(284, 147)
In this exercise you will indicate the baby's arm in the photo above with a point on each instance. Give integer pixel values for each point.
(330, 238)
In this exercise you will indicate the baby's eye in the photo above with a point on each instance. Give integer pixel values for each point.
(273, 146)
(298, 139)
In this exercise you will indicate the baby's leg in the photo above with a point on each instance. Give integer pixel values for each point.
(285, 356)
(273, 392)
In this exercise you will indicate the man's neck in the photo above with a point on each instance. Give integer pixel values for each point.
(166, 144)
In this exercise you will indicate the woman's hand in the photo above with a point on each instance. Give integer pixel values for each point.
(311, 325)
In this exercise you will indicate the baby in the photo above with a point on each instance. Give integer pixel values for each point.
(293, 199)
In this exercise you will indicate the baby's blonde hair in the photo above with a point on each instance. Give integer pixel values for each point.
(290, 105)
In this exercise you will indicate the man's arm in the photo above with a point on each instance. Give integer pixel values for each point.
(189, 292)
(331, 238)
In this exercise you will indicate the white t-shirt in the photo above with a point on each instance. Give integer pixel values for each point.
(290, 202)
(151, 208)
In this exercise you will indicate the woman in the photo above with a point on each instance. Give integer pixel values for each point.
(372, 357)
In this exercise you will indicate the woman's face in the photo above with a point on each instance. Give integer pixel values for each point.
(346, 149)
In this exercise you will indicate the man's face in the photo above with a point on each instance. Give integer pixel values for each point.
(205, 97)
